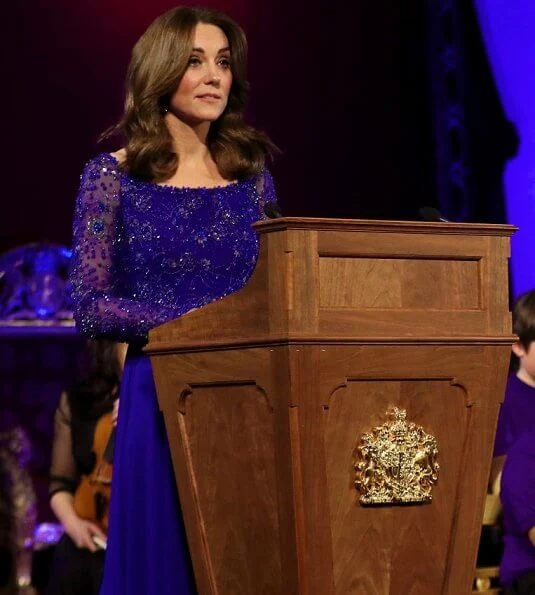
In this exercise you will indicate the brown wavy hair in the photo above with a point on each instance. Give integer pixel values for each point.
(524, 318)
(159, 60)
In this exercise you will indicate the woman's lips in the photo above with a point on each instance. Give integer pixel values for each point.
(209, 98)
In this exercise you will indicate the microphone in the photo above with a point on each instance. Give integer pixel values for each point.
(271, 210)
(431, 214)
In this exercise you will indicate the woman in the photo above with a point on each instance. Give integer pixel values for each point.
(163, 226)
(79, 563)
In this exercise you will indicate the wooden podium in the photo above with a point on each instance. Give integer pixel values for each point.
(267, 394)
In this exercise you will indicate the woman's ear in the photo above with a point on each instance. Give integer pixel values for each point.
(518, 349)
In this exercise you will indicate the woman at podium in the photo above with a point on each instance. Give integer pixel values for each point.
(163, 226)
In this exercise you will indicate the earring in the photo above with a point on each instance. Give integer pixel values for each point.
(163, 104)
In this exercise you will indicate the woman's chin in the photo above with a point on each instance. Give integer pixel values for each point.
(199, 117)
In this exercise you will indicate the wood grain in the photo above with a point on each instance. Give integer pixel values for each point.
(395, 283)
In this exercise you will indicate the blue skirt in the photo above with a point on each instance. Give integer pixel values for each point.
(147, 549)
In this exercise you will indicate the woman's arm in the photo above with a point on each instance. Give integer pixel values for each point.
(265, 189)
(99, 308)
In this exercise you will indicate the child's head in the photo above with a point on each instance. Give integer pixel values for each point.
(524, 327)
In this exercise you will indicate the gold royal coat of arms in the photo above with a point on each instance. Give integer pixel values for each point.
(397, 462)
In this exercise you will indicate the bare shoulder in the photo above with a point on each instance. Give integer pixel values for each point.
(120, 155)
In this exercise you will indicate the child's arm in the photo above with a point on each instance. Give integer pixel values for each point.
(495, 471)
(518, 488)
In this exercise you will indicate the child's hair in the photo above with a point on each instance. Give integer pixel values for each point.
(524, 318)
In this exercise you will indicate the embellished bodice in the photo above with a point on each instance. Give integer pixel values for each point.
(145, 253)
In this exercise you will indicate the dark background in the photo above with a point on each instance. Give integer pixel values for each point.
(341, 87)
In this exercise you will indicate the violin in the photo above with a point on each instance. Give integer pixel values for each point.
(92, 497)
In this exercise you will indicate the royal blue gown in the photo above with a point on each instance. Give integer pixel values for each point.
(144, 254)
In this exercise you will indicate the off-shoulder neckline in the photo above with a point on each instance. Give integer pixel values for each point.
(177, 188)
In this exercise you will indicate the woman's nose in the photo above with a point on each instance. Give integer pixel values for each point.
(212, 76)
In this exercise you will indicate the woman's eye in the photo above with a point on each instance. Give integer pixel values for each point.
(194, 61)
(224, 62)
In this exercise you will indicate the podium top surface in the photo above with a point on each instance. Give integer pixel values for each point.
(424, 227)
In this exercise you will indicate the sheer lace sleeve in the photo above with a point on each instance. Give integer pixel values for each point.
(99, 308)
(266, 191)
(63, 476)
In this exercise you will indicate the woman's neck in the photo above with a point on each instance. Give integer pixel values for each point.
(190, 141)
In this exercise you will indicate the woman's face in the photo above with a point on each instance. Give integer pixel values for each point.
(203, 92)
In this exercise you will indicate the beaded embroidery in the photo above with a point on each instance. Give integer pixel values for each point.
(145, 253)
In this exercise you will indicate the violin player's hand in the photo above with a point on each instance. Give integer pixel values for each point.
(82, 531)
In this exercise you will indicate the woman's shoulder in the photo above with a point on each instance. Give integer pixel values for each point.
(104, 163)
(264, 184)
(103, 167)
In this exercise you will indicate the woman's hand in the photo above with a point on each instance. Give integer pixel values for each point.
(82, 531)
